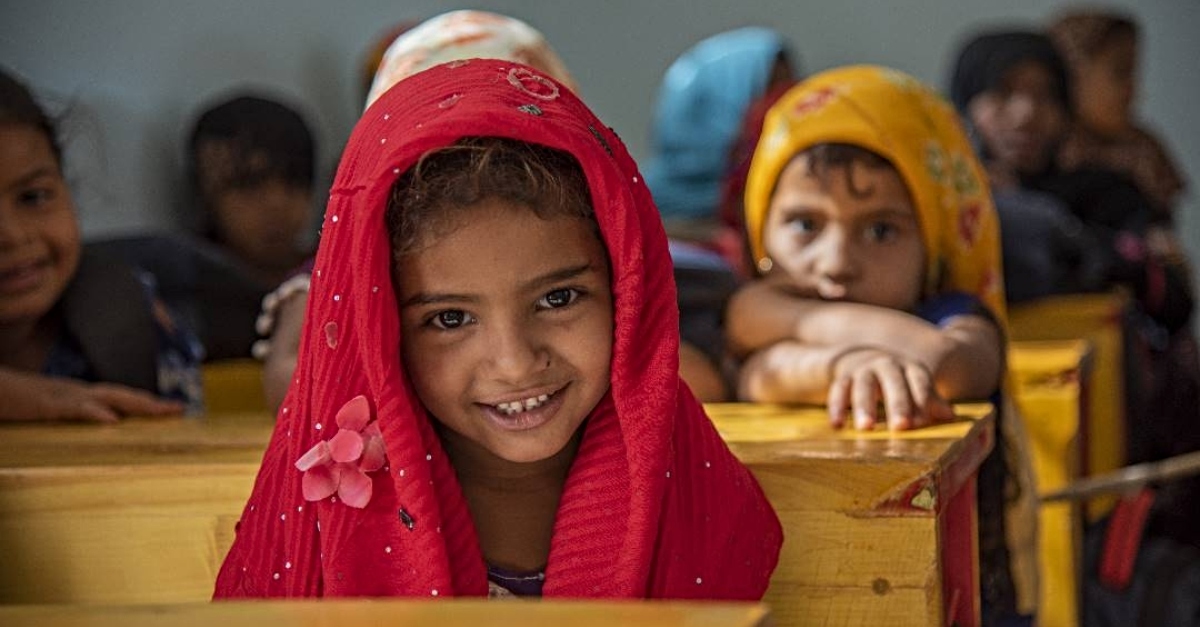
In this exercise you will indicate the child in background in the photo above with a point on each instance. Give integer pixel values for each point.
(871, 224)
(491, 342)
(1014, 90)
(251, 160)
(81, 335)
(1101, 51)
(699, 110)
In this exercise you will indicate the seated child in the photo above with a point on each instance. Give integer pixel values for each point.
(880, 291)
(81, 335)
(251, 161)
(491, 341)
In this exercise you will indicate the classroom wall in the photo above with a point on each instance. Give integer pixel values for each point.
(131, 74)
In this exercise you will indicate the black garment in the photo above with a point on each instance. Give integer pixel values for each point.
(105, 315)
(211, 292)
(1046, 249)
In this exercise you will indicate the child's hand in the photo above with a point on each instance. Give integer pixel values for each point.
(36, 397)
(865, 378)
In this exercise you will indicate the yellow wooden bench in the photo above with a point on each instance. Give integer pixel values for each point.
(877, 526)
(1050, 381)
(1097, 319)
(372, 612)
(233, 385)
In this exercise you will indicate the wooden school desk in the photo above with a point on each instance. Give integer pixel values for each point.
(137, 512)
(879, 528)
(1097, 319)
(143, 511)
(368, 613)
(1050, 385)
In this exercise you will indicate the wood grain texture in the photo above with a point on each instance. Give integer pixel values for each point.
(361, 613)
(143, 512)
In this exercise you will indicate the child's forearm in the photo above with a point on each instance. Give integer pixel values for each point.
(788, 372)
(966, 357)
(759, 315)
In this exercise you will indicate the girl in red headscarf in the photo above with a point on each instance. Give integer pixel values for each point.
(487, 397)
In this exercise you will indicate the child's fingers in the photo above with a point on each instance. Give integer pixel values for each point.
(864, 396)
(838, 401)
(896, 398)
(941, 410)
(130, 402)
(94, 411)
(920, 384)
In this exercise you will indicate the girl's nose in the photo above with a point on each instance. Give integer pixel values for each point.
(517, 355)
(1022, 108)
(835, 260)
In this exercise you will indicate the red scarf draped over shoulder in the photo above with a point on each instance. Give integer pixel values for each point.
(654, 506)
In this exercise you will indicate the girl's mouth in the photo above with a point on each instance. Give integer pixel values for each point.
(526, 413)
(517, 407)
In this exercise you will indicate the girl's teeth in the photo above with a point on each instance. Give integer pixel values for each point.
(517, 407)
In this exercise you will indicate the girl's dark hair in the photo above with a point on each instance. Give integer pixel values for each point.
(824, 159)
(1081, 35)
(246, 141)
(426, 199)
(18, 107)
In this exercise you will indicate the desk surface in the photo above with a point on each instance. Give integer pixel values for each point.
(446, 613)
(757, 433)
(239, 437)
(761, 434)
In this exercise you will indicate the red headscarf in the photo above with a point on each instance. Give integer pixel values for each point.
(655, 505)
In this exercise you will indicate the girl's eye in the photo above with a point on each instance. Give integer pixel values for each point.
(558, 298)
(881, 232)
(35, 197)
(802, 224)
(449, 319)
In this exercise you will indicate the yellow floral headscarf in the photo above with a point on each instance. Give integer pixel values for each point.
(897, 117)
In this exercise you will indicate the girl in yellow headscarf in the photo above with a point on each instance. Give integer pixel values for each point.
(880, 291)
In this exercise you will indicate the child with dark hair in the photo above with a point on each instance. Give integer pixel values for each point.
(251, 160)
(487, 399)
(1100, 48)
(880, 291)
(82, 336)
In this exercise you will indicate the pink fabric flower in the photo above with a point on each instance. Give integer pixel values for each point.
(340, 464)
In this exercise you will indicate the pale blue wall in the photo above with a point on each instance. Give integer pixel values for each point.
(134, 70)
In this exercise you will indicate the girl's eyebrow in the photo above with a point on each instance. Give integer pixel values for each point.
(554, 276)
(433, 298)
(33, 175)
(890, 212)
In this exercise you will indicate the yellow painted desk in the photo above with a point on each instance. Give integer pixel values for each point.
(1097, 319)
(233, 385)
(880, 528)
(1051, 380)
(367, 612)
(137, 512)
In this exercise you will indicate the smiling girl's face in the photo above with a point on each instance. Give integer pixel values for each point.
(507, 322)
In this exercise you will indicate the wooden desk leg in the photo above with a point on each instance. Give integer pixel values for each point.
(960, 558)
